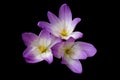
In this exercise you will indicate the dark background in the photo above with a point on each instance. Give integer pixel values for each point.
(23, 17)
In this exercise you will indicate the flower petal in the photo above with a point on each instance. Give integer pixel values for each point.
(73, 65)
(28, 38)
(71, 40)
(77, 52)
(48, 39)
(44, 38)
(57, 50)
(69, 43)
(44, 25)
(31, 55)
(44, 34)
(65, 13)
(75, 22)
(89, 49)
(76, 35)
(54, 40)
(52, 18)
(48, 56)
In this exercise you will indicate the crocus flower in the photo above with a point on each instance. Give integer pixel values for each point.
(71, 52)
(38, 47)
(63, 25)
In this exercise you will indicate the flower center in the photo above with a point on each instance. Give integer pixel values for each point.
(42, 49)
(67, 51)
(64, 32)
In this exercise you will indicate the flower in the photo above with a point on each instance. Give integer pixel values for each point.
(63, 25)
(71, 52)
(38, 47)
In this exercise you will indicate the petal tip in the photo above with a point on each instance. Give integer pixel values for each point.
(94, 52)
(81, 34)
(28, 37)
(71, 39)
(24, 34)
(79, 19)
(64, 5)
(39, 24)
(43, 24)
(49, 12)
(50, 62)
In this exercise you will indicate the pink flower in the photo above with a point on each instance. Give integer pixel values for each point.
(71, 52)
(38, 47)
(63, 25)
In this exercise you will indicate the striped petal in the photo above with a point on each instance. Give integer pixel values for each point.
(65, 13)
(52, 18)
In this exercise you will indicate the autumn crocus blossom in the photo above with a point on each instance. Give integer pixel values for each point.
(63, 25)
(58, 39)
(71, 52)
(38, 47)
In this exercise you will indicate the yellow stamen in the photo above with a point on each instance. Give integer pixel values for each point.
(64, 32)
(42, 48)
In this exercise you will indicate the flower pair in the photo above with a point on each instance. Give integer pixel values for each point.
(50, 42)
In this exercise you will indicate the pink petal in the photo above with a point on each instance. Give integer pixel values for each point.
(31, 55)
(28, 38)
(44, 25)
(48, 39)
(57, 50)
(73, 65)
(48, 57)
(65, 13)
(88, 48)
(71, 40)
(44, 34)
(76, 35)
(44, 38)
(69, 43)
(52, 18)
(77, 52)
(54, 40)
(75, 22)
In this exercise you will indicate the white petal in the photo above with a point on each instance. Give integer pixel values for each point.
(77, 52)
(48, 56)
(72, 64)
(76, 35)
(32, 55)
(75, 66)
(44, 38)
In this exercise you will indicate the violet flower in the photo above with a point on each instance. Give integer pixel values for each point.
(38, 47)
(48, 43)
(63, 25)
(71, 52)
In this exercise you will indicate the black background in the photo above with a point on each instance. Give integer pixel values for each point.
(23, 17)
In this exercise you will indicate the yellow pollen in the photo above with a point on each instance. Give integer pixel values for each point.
(42, 48)
(64, 32)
